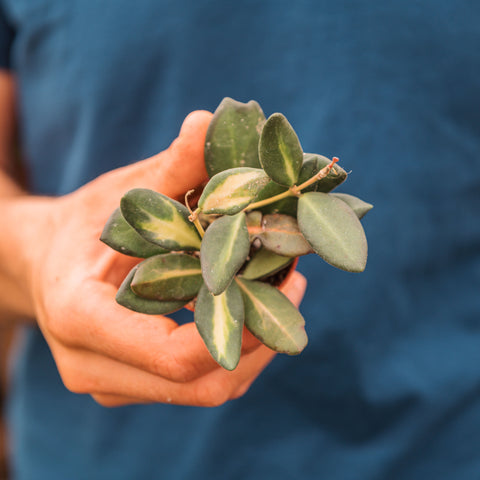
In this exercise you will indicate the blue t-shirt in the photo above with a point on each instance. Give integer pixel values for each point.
(389, 386)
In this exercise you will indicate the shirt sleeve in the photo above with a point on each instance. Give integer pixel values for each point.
(6, 39)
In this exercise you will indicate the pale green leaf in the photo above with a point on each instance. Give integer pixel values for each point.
(123, 238)
(360, 207)
(312, 164)
(225, 248)
(280, 234)
(128, 299)
(160, 219)
(265, 263)
(272, 318)
(333, 230)
(280, 152)
(230, 191)
(219, 320)
(233, 135)
(173, 276)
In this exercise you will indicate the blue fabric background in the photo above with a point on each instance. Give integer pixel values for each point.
(389, 385)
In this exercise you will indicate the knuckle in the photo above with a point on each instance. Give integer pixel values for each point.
(74, 381)
(74, 384)
(241, 391)
(171, 368)
(108, 401)
(212, 394)
(61, 326)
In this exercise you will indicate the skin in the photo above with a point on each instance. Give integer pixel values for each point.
(117, 356)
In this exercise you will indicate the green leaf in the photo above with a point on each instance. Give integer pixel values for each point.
(219, 320)
(173, 276)
(123, 238)
(333, 230)
(265, 263)
(312, 164)
(286, 206)
(225, 248)
(254, 219)
(128, 299)
(272, 318)
(160, 219)
(360, 207)
(280, 234)
(280, 151)
(233, 135)
(230, 191)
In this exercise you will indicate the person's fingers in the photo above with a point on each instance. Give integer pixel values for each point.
(153, 343)
(89, 373)
(294, 287)
(112, 401)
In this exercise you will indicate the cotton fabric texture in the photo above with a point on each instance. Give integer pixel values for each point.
(389, 386)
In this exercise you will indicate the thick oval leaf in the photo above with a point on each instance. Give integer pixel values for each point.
(225, 248)
(233, 135)
(160, 219)
(286, 206)
(360, 207)
(265, 263)
(280, 234)
(230, 191)
(123, 238)
(219, 320)
(312, 164)
(280, 152)
(254, 219)
(333, 230)
(128, 299)
(272, 318)
(173, 276)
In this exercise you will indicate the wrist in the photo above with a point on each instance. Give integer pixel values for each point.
(28, 223)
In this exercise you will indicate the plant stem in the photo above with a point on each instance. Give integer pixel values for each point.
(194, 215)
(321, 174)
(295, 190)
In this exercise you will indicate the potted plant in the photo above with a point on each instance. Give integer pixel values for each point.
(225, 250)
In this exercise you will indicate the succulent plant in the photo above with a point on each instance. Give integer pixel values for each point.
(266, 203)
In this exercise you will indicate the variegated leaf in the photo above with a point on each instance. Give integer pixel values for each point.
(265, 263)
(360, 207)
(219, 320)
(230, 191)
(233, 135)
(280, 152)
(333, 230)
(173, 276)
(280, 234)
(272, 318)
(287, 205)
(128, 299)
(254, 219)
(312, 164)
(123, 238)
(160, 219)
(225, 247)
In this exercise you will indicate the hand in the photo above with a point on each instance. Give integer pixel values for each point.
(102, 349)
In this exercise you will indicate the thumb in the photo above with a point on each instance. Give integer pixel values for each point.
(177, 169)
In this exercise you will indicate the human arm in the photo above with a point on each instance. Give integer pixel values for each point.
(67, 279)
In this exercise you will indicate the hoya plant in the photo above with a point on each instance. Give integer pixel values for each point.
(224, 252)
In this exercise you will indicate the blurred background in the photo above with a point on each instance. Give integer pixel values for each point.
(6, 336)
